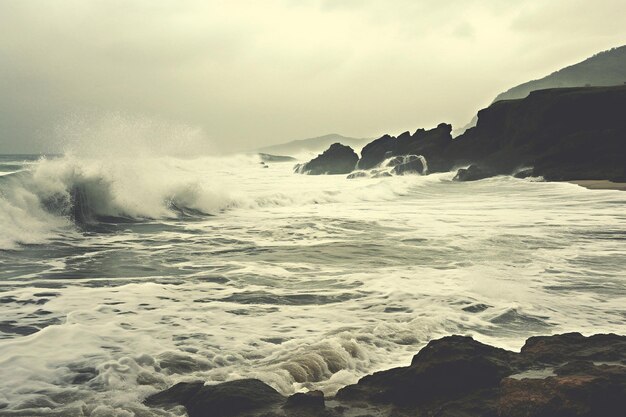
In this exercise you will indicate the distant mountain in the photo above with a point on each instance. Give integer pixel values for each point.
(603, 69)
(317, 144)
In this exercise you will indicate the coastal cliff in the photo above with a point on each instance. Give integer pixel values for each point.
(562, 134)
(567, 133)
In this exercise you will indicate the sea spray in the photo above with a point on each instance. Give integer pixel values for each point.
(305, 282)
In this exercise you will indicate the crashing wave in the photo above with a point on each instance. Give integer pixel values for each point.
(56, 193)
(394, 165)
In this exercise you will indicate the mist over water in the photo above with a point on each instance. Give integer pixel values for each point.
(124, 273)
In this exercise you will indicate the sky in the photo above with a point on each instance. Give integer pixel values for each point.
(241, 74)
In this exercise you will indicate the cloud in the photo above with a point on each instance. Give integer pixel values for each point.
(250, 73)
(464, 30)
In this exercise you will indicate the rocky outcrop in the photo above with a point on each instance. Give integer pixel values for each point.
(472, 173)
(562, 375)
(338, 159)
(411, 164)
(222, 400)
(443, 371)
(559, 134)
(428, 143)
(576, 389)
(565, 375)
(312, 400)
(603, 69)
(569, 133)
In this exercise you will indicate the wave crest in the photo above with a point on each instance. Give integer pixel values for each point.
(55, 193)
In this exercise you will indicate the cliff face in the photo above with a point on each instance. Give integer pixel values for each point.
(570, 133)
(563, 134)
(606, 68)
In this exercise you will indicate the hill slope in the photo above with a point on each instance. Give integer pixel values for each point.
(603, 69)
(317, 144)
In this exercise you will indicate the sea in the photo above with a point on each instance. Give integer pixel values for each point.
(122, 276)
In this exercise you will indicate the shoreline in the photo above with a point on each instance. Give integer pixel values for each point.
(600, 184)
(565, 374)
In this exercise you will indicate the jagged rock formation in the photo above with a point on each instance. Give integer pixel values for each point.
(565, 375)
(428, 143)
(411, 164)
(338, 159)
(560, 134)
(570, 133)
(472, 173)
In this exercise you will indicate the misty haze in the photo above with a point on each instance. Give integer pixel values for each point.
(312, 208)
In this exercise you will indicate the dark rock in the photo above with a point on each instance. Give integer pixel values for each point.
(566, 375)
(413, 165)
(565, 133)
(376, 152)
(458, 376)
(586, 391)
(472, 173)
(311, 399)
(445, 369)
(381, 174)
(428, 143)
(338, 159)
(574, 346)
(222, 400)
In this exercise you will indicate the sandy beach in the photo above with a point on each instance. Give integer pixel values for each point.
(601, 184)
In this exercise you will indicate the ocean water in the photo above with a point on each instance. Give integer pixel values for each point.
(120, 277)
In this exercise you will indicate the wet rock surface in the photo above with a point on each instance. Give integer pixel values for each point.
(559, 134)
(222, 400)
(338, 159)
(473, 173)
(411, 164)
(564, 133)
(428, 143)
(307, 400)
(557, 376)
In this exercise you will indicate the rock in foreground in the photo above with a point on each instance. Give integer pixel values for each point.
(338, 159)
(472, 173)
(565, 375)
(223, 400)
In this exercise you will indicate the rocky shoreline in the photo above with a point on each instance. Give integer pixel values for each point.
(567, 375)
(561, 134)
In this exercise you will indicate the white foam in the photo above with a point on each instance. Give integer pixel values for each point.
(306, 282)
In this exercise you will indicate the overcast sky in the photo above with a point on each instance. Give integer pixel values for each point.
(251, 73)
